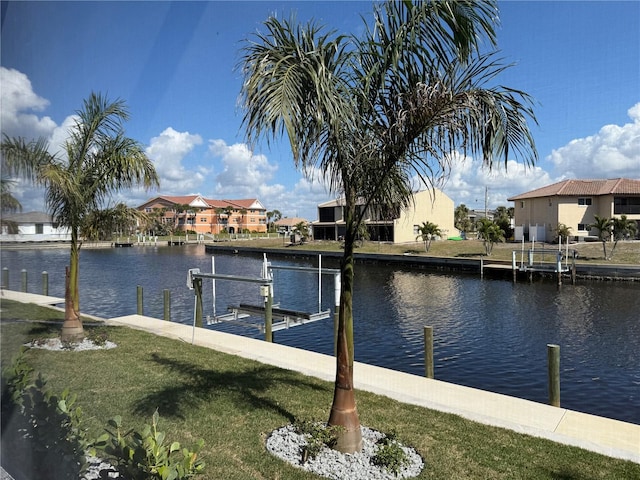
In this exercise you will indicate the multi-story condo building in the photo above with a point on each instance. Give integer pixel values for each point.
(201, 215)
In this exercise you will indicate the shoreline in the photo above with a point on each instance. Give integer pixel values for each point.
(484, 266)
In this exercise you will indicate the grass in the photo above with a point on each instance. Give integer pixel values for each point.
(234, 403)
(626, 253)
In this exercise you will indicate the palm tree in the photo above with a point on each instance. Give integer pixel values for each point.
(461, 218)
(603, 225)
(428, 231)
(490, 233)
(622, 228)
(97, 160)
(503, 220)
(562, 231)
(373, 113)
(8, 204)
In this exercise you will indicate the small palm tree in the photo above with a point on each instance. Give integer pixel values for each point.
(622, 229)
(562, 231)
(428, 231)
(604, 226)
(97, 160)
(490, 233)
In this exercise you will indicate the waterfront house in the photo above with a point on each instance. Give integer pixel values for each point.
(33, 227)
(194, 213)
(287, 225)
(393, 225)
(574, 203)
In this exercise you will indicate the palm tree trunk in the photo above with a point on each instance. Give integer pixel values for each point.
(343, 410)
(72, 327)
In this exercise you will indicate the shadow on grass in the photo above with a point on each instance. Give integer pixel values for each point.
(246, 388)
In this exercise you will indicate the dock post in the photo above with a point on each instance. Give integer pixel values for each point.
(428, 352)
(481, 267)
(24, 280)
(268, 315)
(197, 286)
(45, 283)
(5, 277)
(573, 269)
(167, 305)
(139, 298)
(559, 267)
(553, 363)
(513, 266)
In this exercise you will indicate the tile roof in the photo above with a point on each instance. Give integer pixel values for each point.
(29, 217)
(569, 188)
(247, 203)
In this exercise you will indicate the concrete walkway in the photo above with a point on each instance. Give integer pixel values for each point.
(598, 434)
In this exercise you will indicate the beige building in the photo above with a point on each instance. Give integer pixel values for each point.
(400, 227)
(574, 203)
(201, 215)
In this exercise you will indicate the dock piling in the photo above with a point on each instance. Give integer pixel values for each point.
(24, 280)
(428, 352)
(5, 277)
(45, 283)
(167, 304)
(139, 298)
(553, 364)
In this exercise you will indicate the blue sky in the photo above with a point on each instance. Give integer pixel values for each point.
(173, 64)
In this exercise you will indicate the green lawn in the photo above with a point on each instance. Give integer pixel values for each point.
(233, 404)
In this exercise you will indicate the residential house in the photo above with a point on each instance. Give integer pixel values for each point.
(393, 225)
(574, 203)
(33, 227)
(287, 225)
(194, 213)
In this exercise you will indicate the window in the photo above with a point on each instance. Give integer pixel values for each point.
(522, 204)
(626, 205)
(203, 219)
(39, 228)
(582, 227)
(416, 230)
(584, 201)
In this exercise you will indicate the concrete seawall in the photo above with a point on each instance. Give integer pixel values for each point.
(448, 264)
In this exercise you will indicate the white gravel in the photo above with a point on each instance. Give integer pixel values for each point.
(286, 444)
(57, 344)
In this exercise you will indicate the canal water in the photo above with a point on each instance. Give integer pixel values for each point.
(488, 334)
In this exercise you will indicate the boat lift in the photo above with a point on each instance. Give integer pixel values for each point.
(285, 318)
(542, 265)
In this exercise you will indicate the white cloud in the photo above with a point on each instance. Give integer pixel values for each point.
(612, 152)
(18, 101)
(243, 172)
(167, 151)
(469, 181)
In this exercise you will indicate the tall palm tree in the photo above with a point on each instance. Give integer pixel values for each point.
(603, 225)
(97, 159)
(372, 113)
(461, 218)
(427, 231)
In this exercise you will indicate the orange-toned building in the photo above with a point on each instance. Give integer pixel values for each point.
(202, 215)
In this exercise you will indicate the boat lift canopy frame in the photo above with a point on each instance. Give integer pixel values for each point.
(288, 318)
